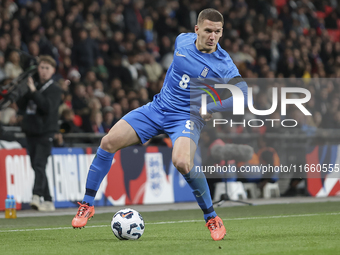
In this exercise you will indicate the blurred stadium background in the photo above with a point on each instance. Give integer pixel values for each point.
(116, 54)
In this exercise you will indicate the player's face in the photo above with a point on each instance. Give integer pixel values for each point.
(45, 71)
(208, 34)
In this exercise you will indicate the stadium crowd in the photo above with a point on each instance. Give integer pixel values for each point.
(116, 52)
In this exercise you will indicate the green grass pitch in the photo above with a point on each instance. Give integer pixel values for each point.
(312, 228)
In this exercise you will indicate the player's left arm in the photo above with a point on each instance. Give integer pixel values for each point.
(227, 104)
(236, 80)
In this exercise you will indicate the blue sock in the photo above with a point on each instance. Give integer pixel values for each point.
(199, 185)
(99, 168)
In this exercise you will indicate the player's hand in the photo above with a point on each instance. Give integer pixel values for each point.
(205, 117)
(30, 84)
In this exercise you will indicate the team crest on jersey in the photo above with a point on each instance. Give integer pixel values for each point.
(205, 71)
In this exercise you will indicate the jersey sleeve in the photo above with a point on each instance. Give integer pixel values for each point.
(178, 39)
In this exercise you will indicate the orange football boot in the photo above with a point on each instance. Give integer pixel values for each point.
(85, 212)
(216, 227)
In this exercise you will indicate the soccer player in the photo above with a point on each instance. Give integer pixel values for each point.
(196, 55)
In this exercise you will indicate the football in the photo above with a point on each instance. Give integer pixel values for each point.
(127, 224)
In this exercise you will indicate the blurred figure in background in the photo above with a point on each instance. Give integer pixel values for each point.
(108, 117)
(12, 66)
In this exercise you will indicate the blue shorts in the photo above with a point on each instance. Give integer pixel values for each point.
(149, 121)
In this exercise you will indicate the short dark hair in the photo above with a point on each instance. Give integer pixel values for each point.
(210, 14)
(47, 59)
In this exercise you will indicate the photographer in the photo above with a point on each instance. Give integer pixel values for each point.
(39, 107)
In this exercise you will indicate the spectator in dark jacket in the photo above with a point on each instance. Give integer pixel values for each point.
(116, 70)
(84, 52)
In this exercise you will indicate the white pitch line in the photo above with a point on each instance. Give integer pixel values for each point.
(249, 218)
(181, 221)
(41, 229)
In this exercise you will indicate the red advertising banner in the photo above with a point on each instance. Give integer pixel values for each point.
(12, 170)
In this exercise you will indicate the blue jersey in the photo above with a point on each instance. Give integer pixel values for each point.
(190, 63)
(175, 110)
